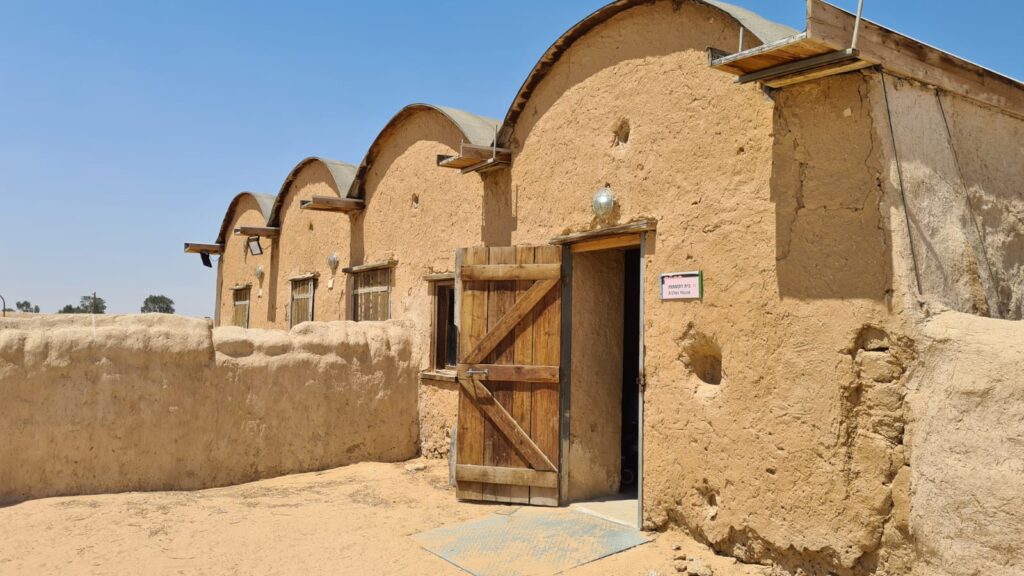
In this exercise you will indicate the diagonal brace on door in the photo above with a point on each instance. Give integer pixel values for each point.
(514, 316)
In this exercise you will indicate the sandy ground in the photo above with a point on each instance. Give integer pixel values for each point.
(351, 520)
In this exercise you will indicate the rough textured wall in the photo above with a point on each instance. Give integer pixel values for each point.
(779, 456)
(156, 402)
(948, 250)
(237, 267)
(989, 146)
(967, 439)
(308, 237)
(419, 214)
(595, 452)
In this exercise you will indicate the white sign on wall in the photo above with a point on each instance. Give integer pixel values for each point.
(682, 286)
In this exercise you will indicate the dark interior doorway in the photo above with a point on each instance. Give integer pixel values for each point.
(630, 373)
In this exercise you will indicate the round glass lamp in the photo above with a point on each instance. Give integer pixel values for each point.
(604, 202)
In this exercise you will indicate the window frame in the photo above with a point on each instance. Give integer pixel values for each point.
(441, 330)
(294, 282)
(235, 303)
(363, 291)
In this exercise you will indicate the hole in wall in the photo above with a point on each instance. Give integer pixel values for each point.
(622, 133)
(702, 355)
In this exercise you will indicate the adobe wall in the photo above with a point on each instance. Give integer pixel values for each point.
(966, 511)
(238, 267)
(419, 214)
(158, 402)
(308, 238)
(780, 204)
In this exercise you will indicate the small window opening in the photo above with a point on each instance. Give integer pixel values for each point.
(446, 336)
(240, 311)
(301, 309)
(371, 295)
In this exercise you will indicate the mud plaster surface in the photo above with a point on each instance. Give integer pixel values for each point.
(237, 267)
(152, 402)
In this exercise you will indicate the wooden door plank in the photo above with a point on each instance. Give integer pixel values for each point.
(516, 477)
(511, 272)
(483, 399)
(523, 373)
(546, 403)
(501, 297)
(473, 318)
(502, 327)
(514, 372)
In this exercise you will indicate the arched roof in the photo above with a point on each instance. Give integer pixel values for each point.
(475, 129)
(341, 172)
(264, 201)
(765, 30)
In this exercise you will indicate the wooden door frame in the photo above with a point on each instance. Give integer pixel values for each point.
(587, 243)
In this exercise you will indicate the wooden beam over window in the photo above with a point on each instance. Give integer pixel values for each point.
(631, 228)
(332, 204)
(197, 248)
(261, 231)
(369, 267)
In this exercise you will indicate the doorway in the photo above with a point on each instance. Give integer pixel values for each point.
(604, 455)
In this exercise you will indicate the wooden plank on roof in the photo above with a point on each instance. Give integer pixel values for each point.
(261, 231)
(198, 248)
(332, 204)
(369, 267)
(909, 58)
(800, 68)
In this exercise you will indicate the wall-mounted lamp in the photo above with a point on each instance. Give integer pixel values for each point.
(254, 246)
(332, 262)
(259, 273)
(604, 202)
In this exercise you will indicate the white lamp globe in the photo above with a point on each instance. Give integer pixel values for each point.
(604, 202)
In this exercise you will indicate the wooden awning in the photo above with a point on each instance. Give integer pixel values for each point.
(789, 61)
(260, 231)
(332, 204)
(197, 248)
(474, 158)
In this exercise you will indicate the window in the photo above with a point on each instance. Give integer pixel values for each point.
(446, 335)
(240, 311)
(301, 309)
(371, 295)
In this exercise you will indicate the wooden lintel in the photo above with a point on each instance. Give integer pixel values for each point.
(197, 248)
(439, 277)
(908, 58)
(261, 231)
(510, 373)
(332, 204)
(606, 243)
(633, 227)
(508, 476)
(369, 267)
(489, 272)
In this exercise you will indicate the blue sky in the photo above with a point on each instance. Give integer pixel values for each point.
(126, 127)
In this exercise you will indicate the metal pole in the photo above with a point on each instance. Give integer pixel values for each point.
(856, 25)
(3, 307)
(742, 31)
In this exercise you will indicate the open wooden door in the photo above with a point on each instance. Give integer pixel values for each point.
(509, 348)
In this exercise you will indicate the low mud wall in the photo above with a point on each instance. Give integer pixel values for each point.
(155, 402)
(967, 436)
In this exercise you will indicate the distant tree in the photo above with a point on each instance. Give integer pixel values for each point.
(87, 305)
(160, 304)
(26, 306)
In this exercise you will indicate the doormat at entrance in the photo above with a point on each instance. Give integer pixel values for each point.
(530, 541)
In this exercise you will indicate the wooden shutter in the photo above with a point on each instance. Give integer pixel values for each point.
(302, 301)
(371, 295)
(509, 349)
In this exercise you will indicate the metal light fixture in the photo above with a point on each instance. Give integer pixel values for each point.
(259, 273)
(332, 262)
(254, 246)
(604, 202)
